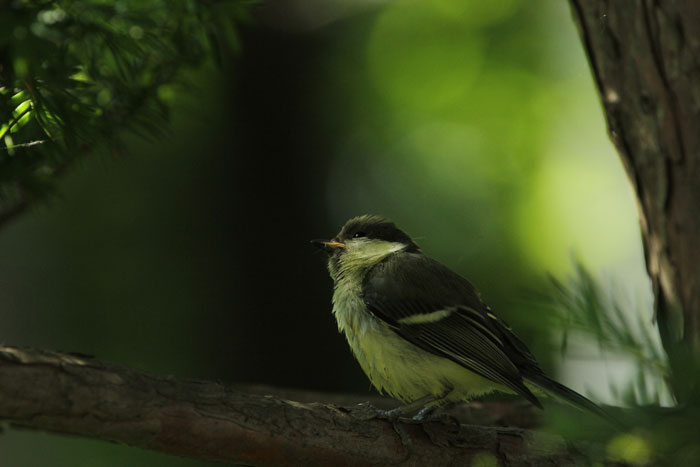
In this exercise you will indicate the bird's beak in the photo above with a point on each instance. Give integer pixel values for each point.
(329, 246)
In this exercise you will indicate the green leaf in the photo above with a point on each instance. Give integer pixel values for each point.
(85, 73)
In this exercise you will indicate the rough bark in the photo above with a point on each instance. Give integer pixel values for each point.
(78, 395)
(645, 58)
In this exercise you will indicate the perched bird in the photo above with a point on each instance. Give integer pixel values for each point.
(419, 330)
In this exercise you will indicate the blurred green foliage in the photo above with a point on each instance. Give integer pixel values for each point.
(659, 429)
(487, 110)
(76, 75)
(581, 304)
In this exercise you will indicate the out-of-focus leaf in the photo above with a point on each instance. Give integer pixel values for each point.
(85, 72)
(582, 305)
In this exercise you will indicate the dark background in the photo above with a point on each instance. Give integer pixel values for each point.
(475, 128)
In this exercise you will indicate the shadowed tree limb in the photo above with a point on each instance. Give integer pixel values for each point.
(73, 394)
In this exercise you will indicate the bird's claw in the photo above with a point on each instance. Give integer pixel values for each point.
(366, 411)
(424, 414)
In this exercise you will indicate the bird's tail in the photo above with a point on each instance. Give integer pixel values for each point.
(572, 397)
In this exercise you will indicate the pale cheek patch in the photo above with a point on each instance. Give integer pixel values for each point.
(362, 253)
(425, 318)
(373, 248)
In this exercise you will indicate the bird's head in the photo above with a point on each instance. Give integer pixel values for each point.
(364, 241)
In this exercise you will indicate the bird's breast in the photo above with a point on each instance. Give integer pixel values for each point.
(350, 310)
(394, 365)
(388, 360)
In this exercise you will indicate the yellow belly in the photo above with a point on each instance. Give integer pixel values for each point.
(406, 372)
(399, 368)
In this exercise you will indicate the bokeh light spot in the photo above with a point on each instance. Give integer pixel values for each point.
(411, 63)
(576, 207)
(630, 448)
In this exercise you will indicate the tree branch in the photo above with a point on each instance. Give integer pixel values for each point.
(74, 394)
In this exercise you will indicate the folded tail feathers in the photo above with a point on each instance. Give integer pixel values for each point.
(571, 397)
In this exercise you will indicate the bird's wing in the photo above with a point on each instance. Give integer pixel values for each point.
(441, 312)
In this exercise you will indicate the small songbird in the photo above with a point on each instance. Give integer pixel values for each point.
(419, 330)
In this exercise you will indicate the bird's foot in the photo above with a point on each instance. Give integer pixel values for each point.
(425, 413)
(436, 414)
(366, 411)
(399, 417)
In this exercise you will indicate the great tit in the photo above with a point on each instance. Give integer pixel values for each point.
(420, 331)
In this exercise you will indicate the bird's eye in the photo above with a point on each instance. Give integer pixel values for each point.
(359, 234)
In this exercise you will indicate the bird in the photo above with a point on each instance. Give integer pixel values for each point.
(420, 331)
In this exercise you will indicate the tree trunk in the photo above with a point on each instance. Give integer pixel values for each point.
(645, 58)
